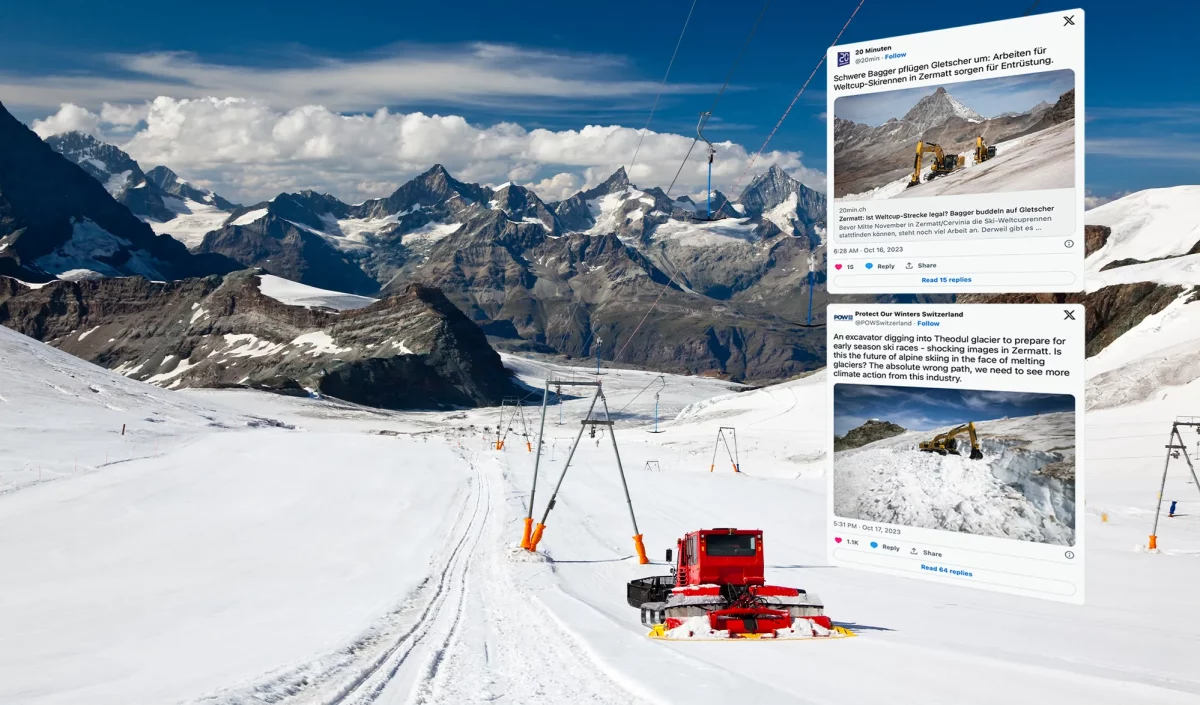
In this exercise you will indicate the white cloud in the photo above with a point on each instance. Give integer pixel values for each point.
(69, 118)
(249, 150)
(556, 188)
(123, 115)
(471, 74)
(1091, 200)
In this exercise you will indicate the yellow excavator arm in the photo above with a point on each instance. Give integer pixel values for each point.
(944, 443)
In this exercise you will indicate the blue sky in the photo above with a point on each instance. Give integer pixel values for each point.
(921, 409)
(988, 97)
(561, 66)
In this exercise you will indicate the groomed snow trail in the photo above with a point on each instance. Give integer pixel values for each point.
(471, 632)
(509, 647)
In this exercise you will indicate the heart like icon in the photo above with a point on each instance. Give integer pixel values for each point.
(837, 539)
(837, 266)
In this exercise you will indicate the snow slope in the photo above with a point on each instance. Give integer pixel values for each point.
(1161, 222)
(1041, 160)
(206, 551)
(366, 556)
(193, 220)
(1163, 350)
(297, 294)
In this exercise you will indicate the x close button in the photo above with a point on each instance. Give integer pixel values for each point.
(1070, 315)
(1068, 20)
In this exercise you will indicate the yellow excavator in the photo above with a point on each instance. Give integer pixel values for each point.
(983, 151)
(944, 443)
(942, 163)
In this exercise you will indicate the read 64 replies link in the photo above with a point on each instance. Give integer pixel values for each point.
(956, 447)
(956, 159)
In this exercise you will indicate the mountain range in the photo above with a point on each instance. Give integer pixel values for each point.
(574, 277)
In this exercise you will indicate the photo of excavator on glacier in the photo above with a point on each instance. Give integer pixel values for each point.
(987, 463)
(1014, 133)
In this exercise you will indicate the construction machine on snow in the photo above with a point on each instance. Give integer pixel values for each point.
(717, 590)
(942, 163)
(944, 443)
(983, 151)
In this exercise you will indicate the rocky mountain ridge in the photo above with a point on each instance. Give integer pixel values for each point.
(57, 220)
(411, 350)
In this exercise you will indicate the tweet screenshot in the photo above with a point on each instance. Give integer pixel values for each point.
(954, 439)
(956, 159)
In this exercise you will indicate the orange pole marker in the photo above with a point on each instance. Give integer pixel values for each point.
(735, 468)
(710, 467)
(537, 536)
(1153, 542)
(641, 549)
(525, 533)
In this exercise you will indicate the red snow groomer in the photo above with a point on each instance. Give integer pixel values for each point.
(717, 591)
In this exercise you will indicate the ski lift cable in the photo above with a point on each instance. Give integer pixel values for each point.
(764, 146)
(791, 105)
(635, 396)
(654, 107)
(721, 92)
(646, 128)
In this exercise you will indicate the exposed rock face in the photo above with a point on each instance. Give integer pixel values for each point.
(1094, 238)
(413, 350)
(1062, 110)
(1113, 310)
(871, 431)
(288, 248)
(57, 219)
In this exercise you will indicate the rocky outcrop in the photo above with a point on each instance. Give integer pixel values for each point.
(871, 431)
(1062, 110)
(1113, 310)
(1094, 238)
(288, 248)
(409, 351)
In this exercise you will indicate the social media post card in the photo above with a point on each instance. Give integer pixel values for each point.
(956, 159)
(956, 444)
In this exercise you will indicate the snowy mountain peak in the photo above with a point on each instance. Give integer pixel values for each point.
(937, 108)
(103, 162)
(169, 183)
(617, 181)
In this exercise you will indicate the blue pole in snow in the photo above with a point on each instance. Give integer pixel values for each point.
(810, 294)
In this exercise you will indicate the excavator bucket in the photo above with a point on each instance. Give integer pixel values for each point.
(976, 454)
